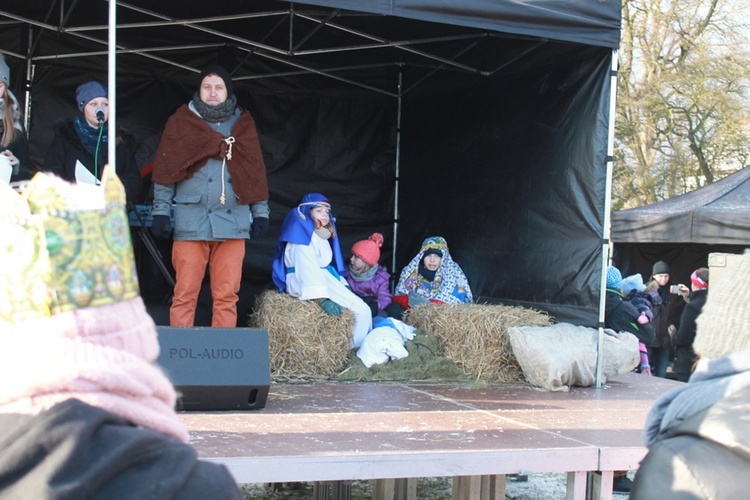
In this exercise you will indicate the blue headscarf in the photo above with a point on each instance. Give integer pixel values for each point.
(298, 227)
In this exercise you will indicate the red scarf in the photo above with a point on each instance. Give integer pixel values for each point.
(188, 142)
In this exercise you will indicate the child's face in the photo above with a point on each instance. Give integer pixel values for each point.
(432, 262)
(321, 214)
(357, 263)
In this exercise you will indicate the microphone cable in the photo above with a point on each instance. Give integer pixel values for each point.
(96, 154)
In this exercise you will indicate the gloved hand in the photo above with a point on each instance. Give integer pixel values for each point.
(372, 302)
(161, 227)
(259, 226)
(416, 299)
(329, 306)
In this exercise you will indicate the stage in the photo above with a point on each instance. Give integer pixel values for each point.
(393, 431)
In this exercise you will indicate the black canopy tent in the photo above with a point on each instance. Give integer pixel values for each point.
(683, 230)
(486, 122)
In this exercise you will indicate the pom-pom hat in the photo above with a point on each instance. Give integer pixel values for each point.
(724, 321)
(369, 250)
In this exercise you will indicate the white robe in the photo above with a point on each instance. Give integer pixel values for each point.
(311, 280)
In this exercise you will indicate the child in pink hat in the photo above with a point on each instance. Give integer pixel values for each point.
(366, 277)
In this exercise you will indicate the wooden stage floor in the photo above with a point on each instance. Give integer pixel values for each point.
(330, 431)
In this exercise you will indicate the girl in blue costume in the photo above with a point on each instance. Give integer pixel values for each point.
(308, 263)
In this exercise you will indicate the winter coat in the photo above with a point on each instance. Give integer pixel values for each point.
(199, 212)
(19, 146)
(665, 314)
(684, 357)
(74, 450)
(66, 150)
(378, 286)
(20, 149)
(622, 316)
(698, 437)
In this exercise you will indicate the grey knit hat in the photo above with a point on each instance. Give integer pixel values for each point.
(660, 267)
(723, 326)
(4, 71)
(89, 90)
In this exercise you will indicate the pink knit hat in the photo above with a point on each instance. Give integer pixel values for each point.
(72, 324)
(369, 250)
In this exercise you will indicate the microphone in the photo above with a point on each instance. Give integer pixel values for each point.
(100, 115)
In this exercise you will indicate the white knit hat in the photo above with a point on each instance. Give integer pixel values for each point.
(723, 327)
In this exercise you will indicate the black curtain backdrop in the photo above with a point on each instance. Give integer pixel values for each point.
(507, 162)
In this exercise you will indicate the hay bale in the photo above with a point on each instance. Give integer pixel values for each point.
(303, 341)
(475, 336)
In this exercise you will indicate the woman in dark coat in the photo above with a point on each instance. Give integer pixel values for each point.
(78, 152)
(684, 357)
(666, 318)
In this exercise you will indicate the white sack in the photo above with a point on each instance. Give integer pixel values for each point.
(562, 355)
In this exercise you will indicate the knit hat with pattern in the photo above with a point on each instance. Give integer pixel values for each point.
(614, 278)
(724, 321)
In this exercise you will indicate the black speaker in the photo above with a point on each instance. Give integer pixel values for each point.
(216, 368)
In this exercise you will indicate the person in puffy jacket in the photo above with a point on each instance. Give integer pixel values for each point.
(366, 277)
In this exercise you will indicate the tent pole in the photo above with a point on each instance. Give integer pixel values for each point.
(398, 170)
(607, 209)
(111, 84)
(27, 85)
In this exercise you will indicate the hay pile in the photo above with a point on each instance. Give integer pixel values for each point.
(475, 336)
(303, 341)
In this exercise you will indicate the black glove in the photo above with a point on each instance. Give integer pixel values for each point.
(161, 227)
(259, 226)
(372, 302)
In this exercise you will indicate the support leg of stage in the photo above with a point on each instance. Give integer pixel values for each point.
(332, 490)
(491, 487)
(601, 485)
(395, 489)
(575, 488)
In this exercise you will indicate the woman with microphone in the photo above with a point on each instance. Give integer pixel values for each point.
(78, 152)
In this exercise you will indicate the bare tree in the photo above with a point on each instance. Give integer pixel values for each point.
(683, 119)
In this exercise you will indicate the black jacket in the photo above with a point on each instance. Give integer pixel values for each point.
(66, 149)
(75, 450)
(622, 316)
(20, 149)
(684, 356)
(665, 314)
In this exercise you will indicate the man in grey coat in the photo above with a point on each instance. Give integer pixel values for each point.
(210, 164)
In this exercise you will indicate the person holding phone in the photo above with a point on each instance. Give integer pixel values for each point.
(666, 318)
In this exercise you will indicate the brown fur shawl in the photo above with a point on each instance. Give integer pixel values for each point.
(188, 142)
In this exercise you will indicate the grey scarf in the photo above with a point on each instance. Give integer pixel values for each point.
(364, 275)
(215, 114)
